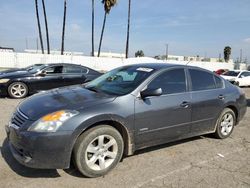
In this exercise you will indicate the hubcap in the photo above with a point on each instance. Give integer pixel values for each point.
(227, 124)
(101, 152)
(18, 90)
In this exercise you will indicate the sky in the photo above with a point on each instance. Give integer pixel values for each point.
(189, 27)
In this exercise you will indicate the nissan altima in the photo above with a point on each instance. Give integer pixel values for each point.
(124, 110)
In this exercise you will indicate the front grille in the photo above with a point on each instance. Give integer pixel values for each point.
(18, 118)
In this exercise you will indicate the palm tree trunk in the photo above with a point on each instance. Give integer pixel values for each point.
(103, 27)
(39, 27)
(46, 27)
(93, 27)
(128, 29)
(63, 31)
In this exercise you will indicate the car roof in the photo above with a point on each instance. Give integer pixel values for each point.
(155, 66)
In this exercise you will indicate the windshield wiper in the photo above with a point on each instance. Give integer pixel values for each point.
(92, 89)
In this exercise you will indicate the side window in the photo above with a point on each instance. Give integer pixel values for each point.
(218, 81)
(172, 81)
(54, 70)
(84, 70)
(72, 70)
(201, 80)
(244, 74)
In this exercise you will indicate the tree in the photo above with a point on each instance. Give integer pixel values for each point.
(46, 26)
(128, 28)
(108, 4)
(139, 53)
(64, 22)
(93, 28)
(39, 26)
(227, 53)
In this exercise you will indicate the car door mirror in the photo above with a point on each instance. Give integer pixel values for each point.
(42, 73)
(151, 92)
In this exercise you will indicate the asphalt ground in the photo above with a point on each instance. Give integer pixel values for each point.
(197, 162)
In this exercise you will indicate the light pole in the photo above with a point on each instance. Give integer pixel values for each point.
(166, 52)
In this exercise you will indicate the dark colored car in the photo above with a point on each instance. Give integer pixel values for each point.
(124, 110)
(221, 71)
(39, 77)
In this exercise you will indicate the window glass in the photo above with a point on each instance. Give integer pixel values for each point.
(72, 70)
(244, 74)
(54, 70)
(172, 81)
(120, 81)
(219, 82)
(201, 80)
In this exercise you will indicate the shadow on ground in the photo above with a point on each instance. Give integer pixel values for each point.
(22, 170)
(248, 102)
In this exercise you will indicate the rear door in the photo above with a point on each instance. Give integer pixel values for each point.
(162, 118)
(208, 96)
(73, 75)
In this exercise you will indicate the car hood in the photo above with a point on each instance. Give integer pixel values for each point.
(67, 98)
(13, 73)
(230, 78)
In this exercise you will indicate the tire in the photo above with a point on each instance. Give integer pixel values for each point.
(98, 150)
(225, 124)
(18, 90)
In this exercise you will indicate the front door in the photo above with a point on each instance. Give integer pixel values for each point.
(163, 118)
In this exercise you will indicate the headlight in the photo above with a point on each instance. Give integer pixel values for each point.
(2, 81)
(51, 122)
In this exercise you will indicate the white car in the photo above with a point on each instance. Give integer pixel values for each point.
(238, 77)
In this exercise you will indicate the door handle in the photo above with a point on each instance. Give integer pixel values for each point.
(185, 104)
(221, 97)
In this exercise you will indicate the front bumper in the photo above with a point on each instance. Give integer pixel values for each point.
(3, 90)
(40, 150)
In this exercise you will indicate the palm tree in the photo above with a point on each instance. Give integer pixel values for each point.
(46, 26)
(64, 22)
(93, 27)
(128, 28)
(108, 4)
(227, 53)
(39, 26)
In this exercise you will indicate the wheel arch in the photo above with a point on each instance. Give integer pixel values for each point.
(114, 122)
(235, 110)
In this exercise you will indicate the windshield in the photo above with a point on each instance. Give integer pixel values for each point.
(120, 81)
(231, 73)
(35, 68)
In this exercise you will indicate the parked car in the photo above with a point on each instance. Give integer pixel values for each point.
(221, 71)
(238, 77)
(19, 84)
(124, 110)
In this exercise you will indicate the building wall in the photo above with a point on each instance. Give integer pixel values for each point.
(19, 60)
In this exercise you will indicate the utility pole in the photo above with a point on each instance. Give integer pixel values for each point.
(166, 52)
(240, 55)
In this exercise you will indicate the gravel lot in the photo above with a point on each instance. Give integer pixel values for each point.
(197, 162)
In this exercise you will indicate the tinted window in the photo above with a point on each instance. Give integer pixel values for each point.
(72, 70)
(201, 80)
(231, 73)
(172, 81)
(218, 81)
(54, 70)
(244, 74)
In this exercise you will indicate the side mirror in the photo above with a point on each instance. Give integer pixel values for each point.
(151, 92)
(42, 73)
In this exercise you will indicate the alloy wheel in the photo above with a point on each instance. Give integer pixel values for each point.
(101, 152)
(226, 124)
